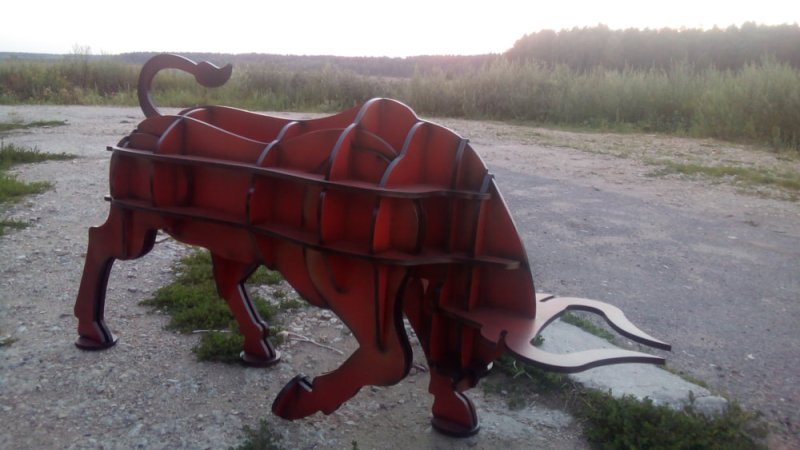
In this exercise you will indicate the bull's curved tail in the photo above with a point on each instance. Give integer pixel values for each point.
(205, 73)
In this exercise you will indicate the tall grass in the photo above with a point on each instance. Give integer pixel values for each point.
(759, 103)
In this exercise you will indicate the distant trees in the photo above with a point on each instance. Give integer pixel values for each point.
(580, 49)
(740, 83)
(725, 49)
(360, 65)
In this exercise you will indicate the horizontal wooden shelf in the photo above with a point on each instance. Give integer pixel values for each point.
(406, 192)
(311, 240)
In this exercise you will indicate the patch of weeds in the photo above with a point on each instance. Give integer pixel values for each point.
(263, 438)
(225, 346)
(11, 224)
(18, 125)
(540, 380)
(265, 276)
(520, 383)
(12, 189)
(624, 423)
(219, 347)
(288, 304)
(193, 304)
(11, 154)
(587, 326)
(746, 176)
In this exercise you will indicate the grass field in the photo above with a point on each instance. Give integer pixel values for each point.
(759, 103)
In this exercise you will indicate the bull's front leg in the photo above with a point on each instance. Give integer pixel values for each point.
(367, 299)
(230, 277)
(124, 235)
(453, 412)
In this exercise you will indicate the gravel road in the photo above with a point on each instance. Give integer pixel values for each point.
(712, 270)
(703, 266)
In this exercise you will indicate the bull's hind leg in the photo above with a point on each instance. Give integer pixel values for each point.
(124, 235)
(230, 277)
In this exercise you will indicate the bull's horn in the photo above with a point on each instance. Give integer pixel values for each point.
(552, 307)
(578, 361)
(518, 332)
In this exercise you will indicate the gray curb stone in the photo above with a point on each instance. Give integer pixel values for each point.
(638, 380)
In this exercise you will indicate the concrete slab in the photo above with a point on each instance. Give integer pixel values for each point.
(638, 380)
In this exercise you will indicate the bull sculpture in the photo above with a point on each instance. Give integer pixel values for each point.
(371, 213)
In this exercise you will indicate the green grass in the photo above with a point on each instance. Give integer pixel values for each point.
(193, 304)
(627, 423)
(219, 346)
(758, 103)
(265, 276)
(587, 326)
(523, 382)
(13, 190)
(789, 181)
(11, 155)
(8, 126)
(10, 224)
(262, 438)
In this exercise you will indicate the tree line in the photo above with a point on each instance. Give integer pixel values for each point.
(725, 49)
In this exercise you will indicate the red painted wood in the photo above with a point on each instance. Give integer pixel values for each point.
(372, 213)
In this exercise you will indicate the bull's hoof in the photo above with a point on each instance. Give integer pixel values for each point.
(86, 343)
(454, 429)
(252, 360)
(289, 404)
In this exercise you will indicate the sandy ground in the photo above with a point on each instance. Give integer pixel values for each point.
(148, 391)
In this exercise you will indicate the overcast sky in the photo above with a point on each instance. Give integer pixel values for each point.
(346, 27)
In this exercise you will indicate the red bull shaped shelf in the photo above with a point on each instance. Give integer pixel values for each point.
(371, 213)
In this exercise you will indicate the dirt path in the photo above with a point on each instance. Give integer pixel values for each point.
(710, 269)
